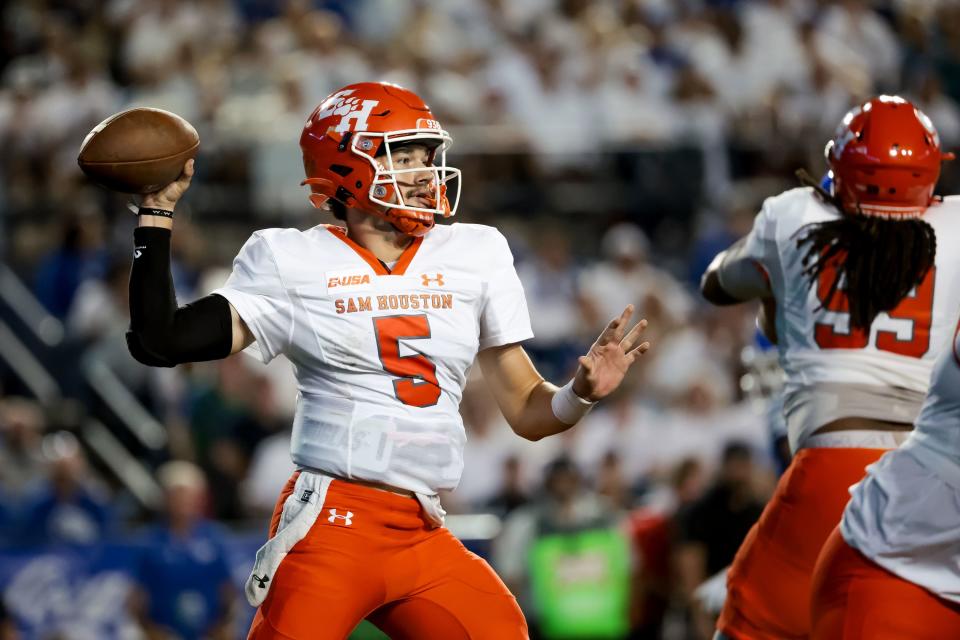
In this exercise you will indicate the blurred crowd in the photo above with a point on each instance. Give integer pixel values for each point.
(562, 81)
(566, 117)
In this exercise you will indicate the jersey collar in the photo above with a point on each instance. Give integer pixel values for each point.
(378, 267)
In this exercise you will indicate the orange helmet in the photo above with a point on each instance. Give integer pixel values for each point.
(347, 148)
(885, 159)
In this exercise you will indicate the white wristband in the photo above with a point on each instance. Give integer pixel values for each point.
(568, 407)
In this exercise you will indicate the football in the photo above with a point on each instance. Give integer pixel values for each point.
(138, 150)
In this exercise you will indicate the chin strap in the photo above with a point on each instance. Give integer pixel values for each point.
(406, 221)
(410, 226)
(417, 223)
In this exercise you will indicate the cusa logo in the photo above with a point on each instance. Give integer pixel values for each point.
(349, 108)
(347, 281)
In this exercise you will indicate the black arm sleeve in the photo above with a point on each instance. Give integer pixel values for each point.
(161, 334)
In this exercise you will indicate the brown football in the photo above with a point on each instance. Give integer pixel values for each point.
(138, 150)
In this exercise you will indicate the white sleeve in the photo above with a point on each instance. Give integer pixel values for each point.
(504, 318)
(762, 239)
(746, 266)
(256, 291)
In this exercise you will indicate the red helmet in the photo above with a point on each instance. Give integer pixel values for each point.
(347, 148)
(885, 159)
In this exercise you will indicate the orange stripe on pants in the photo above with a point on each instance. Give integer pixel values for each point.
(856, 599)
(371, 555)
(768, 585)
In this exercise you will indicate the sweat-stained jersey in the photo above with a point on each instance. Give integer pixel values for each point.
(831, 371)
(905, 514)
(381, 355)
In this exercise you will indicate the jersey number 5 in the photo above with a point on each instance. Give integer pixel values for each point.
(418, 385)
(916, 307)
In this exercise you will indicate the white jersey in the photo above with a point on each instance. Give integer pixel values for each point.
(831, 371)
(905, 514)
(381, 355)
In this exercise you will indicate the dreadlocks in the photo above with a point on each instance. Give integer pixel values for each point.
(878, 260)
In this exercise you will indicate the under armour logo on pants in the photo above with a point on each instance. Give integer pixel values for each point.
(334, 516)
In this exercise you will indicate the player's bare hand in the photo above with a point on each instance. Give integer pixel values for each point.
(167, 197)
(603, 368)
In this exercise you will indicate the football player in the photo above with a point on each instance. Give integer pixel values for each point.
(382, 319)
(863, 304)
(891, 569)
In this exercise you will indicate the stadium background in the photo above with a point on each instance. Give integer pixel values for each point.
(618, 144)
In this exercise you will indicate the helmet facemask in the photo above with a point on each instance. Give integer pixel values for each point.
(385, 191)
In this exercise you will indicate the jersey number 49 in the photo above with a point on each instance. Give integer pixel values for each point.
(917, 307)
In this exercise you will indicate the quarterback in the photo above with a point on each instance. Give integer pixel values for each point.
(382, 319)
(864, 302)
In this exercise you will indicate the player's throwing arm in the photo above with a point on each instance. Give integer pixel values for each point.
(161, 333)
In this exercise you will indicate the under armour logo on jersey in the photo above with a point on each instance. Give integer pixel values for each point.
(137, 252)
(351, 109)
(334, 516)
(427, 279)
(262, 582)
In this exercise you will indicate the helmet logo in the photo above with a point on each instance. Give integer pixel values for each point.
(365, 144)
(380, 191)
(349, 109)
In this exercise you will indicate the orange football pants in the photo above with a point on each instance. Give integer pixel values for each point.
(856, 599)
(375, 557)
(768, 585)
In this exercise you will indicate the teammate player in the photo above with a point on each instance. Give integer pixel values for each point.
(381, 321)
(891, 570)
(864, 303)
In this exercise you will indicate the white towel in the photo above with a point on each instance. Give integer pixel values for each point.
(431, 509)
(300, 511)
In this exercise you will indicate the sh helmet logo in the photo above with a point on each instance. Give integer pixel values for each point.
(350, 109)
